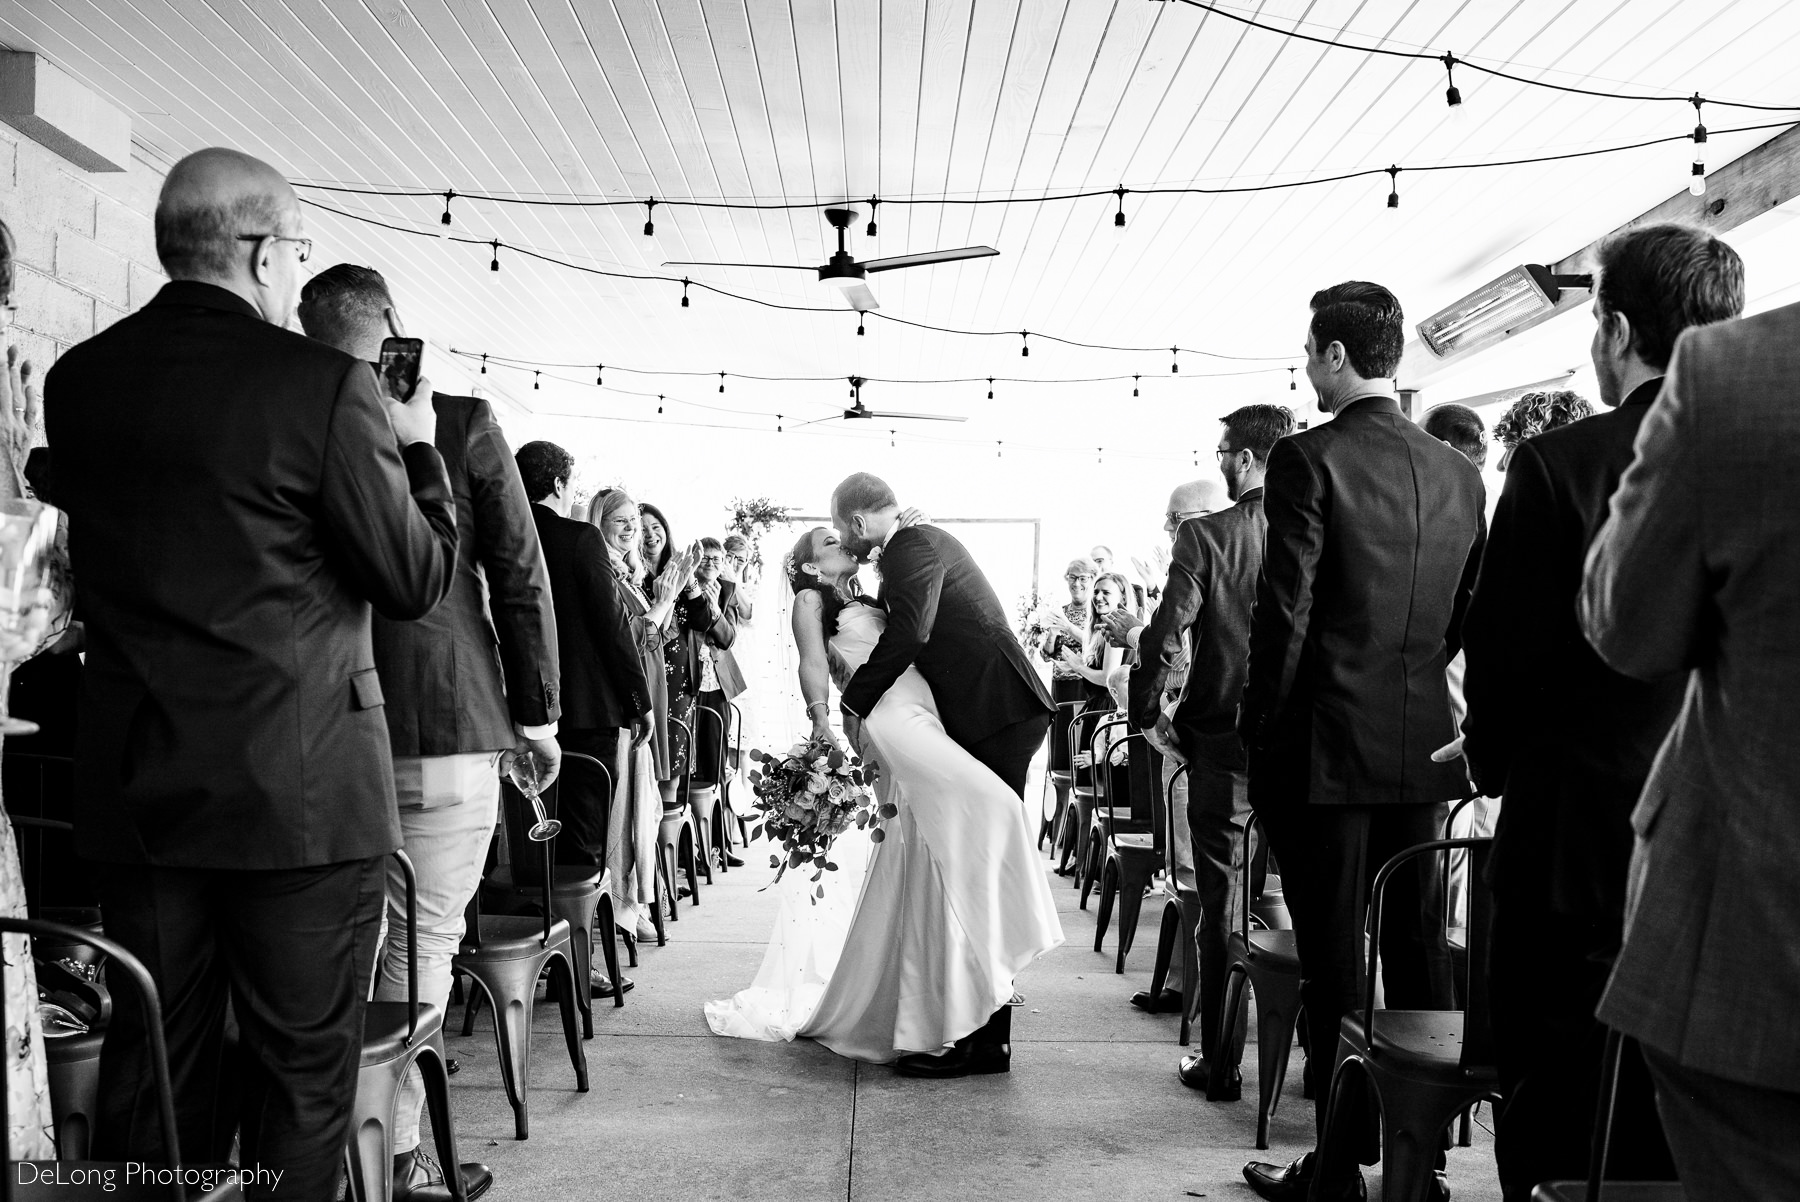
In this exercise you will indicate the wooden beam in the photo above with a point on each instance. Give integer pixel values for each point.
(49, 106)
(1741, 190)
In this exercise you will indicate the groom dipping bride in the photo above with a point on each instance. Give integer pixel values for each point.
(938, 692)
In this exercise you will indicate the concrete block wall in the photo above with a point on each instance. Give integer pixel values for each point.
(86, 244)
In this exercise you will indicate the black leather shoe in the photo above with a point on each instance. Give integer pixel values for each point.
(732, 861)
(1293, 1183)
(1438, 1188)
(600, 986)
(966, 1059)
(1195, 1073)
(1166, 1002)
(417, 1178)
(452, 1066)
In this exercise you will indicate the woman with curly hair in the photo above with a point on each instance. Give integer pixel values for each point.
(1535, 412)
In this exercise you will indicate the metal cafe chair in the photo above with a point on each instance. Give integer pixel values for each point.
(1596, 1188)
(1092, 851)
(1268, 962)
(1134, 847)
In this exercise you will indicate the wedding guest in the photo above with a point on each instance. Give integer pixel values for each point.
(695, 624)
(1696, 572)
(475, 677)
(240, 498)
(1124, 628)
(737, 570)
(1095, 662)
(1566, 741)
(1067, 628)
(1374, 536)
(1203, 625)
(710, 645)
(1461, 427)
(1535, 412)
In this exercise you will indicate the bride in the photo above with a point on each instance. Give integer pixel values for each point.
(953, 904)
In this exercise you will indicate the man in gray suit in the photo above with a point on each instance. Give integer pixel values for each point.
(1697, 569)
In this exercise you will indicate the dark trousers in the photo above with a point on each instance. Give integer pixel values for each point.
(1546, 972)
(710, 736)
(1008, 751)
(292, 951)
(1329, 856)
(1218, 809)
(1733, 1142)
(583, 800)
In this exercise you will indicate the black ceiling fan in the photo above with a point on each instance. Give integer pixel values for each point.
(848, 274)
(858, 410)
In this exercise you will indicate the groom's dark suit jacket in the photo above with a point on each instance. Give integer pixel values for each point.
(944, 619)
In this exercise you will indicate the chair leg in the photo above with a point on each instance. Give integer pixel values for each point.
(630, 951)
(1337, 1148)
(609, 945)
(1464, 1136)
(1165, 947)
(663, 890)
(690, 863)
(512, 1033)
(1236, 979)
(1130, 887)
(581, 953)
(702, 839)
(1277, 1012)
(471, 1007)
(561, 969)
(1109, 890)
(430, 1066)
(1190, 965)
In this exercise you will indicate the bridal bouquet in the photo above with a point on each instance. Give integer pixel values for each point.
(806, 797)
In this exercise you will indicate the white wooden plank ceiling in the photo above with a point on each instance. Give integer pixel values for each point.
(832, 99)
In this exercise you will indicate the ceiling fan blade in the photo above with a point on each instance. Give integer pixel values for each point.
(857, 293)
(775, 266)
(924, 417)
(928, 257)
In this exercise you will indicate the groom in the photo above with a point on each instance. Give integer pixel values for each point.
(944, 619)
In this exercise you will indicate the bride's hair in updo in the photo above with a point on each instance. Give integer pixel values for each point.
(834, 595)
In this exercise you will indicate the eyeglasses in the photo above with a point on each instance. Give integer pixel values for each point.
(305, 244)
(714, 560)
(1078, 579)
(1177, 516)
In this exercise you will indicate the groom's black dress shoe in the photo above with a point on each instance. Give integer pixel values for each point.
(1293, 1183)
(1195, 1073)
(988, 1049)
(1168, 1001)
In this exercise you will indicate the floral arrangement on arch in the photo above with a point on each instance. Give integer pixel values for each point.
(754, 517)
(808, 796)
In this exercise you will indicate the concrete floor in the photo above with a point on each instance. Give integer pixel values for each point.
(1092, 1108)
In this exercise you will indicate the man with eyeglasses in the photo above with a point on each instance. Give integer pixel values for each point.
(1202, 628)
(240, 499)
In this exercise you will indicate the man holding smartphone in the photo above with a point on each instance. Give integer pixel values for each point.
(475, 678)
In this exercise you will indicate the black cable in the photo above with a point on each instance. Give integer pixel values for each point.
(1449, 60)
(515, 361)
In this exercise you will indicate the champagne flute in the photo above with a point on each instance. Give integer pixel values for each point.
(27, 535)
(522, 770)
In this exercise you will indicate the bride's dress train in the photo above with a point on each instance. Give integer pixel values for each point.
(947, 910)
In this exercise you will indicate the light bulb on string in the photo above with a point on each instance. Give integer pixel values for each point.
(873, 201)
(1119, 217)
(650, 218)
(684, 295)
(1174, 363)
(1024, 347)
(1697, 173)
(891, 443)
(484, 364)
(721, 381)
(1293, 382)
(859, 324)
(1134, 385)
(599, 370)
(990, 388)
(534, 380)
(659, 402)
(1452, 94)
(1100, 455)
(999, 449)
(1393, 187)
(778, 423)
(494, 265)
(449, 195)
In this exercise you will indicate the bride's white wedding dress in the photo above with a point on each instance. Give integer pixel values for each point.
(919, 937)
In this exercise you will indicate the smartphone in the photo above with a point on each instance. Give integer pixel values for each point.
(400, 358)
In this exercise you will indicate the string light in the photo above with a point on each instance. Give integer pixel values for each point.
(1134, 386)
(1393, 187)
(1697, 177)
(891, 442)
(721, 381)
(1452, 96)
(990, 388)
(650, 218)
(1119, 217)
(449, 194)
(684, 288)
(484, 366)
(1174, 363)
(534, 380)
(999, 449)
(1293, 383)
(859, 324)
(494, 265)
(1024, 347)
(599, 372)
(1100, 455)
(659, 402)
(778, 423)
(873, 202)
